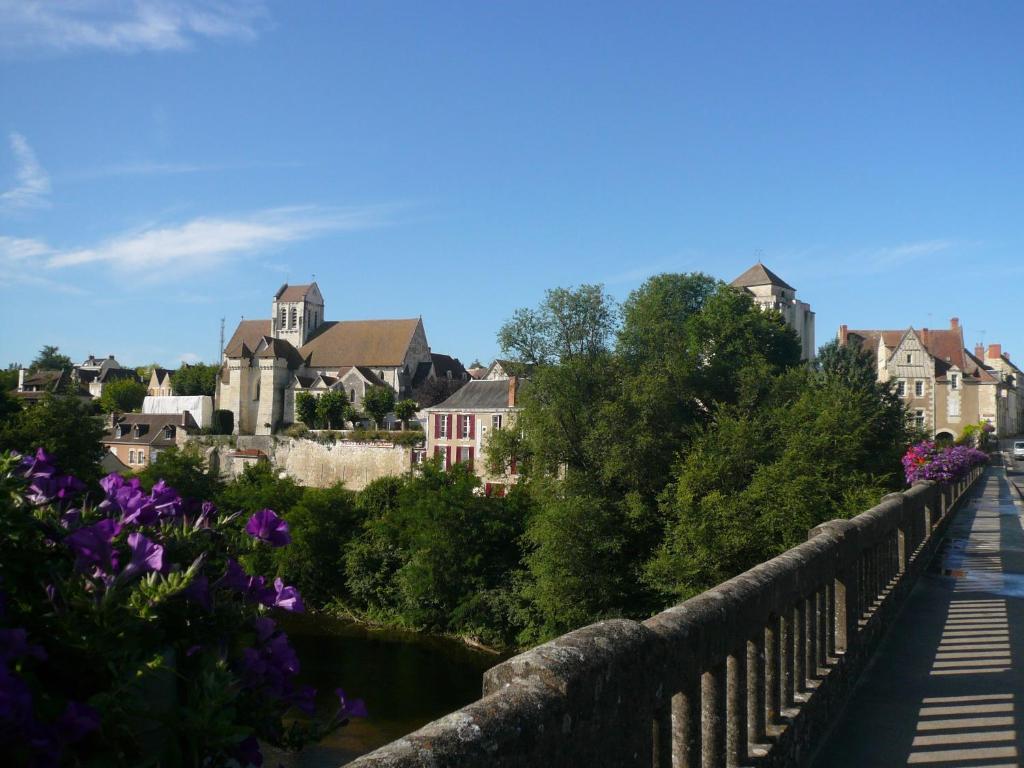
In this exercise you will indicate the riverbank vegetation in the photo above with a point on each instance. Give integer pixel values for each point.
(663, 445)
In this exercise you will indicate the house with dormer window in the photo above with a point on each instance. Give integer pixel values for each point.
(942, 384)
(137, 439)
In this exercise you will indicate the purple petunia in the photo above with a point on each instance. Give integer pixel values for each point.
(93, 548)
(349, 708)
(286, 598)
(266, 526)
(147, 556)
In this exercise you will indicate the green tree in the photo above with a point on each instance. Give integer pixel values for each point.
(196, 379)
(378, 402)
(63, 425)
(9, 378)
(330, 409)
(405, 410)
(122, 396)
(50, 359)
(305, 409)
(184, 469)
(145, 372)
(259, 488)
(321, 523)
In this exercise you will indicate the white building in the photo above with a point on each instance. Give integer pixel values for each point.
(770, 291)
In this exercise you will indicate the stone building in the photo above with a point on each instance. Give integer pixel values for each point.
(136, 439)
(160, 383)
(458, 428)
(770, 291)
(268, 362)
(945, 387)
(96, 372)
(998, 363)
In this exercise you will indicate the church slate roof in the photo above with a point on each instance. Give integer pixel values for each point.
(443, 364)
(279, 348)
(248, 333)
(759, 274)
(337, 344)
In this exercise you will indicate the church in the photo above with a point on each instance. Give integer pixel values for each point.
(268, 362)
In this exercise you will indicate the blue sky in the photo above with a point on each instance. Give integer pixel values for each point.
(166, 164)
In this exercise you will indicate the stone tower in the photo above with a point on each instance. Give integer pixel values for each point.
(298, 310)
(770, 291)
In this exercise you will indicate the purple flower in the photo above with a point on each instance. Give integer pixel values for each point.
(251, 587)
(146, 555)
(198, 592)
(286, 598)
(248, 752)
(266, 526)
(347, 708)
(77, 721)
(92, 546)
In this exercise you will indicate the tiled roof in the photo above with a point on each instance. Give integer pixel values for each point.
(292, 292)
(151, 428)
(759, 274)
(247, 335)
(360, 342)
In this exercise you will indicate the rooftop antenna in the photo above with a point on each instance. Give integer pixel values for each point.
(758, 254)
(220, 356)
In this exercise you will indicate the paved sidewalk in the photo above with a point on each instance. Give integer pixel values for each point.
(947, 685)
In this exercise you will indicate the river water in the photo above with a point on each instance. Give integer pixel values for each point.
(406, 680)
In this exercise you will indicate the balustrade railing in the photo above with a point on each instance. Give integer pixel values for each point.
(750, 672)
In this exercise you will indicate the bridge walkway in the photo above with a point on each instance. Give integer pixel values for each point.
(946, 687)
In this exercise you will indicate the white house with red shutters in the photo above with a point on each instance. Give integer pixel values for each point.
(458, 428)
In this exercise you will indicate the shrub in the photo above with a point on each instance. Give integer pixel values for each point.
(132, 635)
(297, 431)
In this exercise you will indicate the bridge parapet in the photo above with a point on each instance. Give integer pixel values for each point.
(751, 672)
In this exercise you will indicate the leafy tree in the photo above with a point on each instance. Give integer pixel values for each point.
(569, 323)
(322, 522)
(65, 426)
(259, 488)
(330, 409)
(145, 372)
(378, 403)
(305, 409)
(197, 379)
(122, 395)
(9, 378)
(184, 469)
(505, 448)
(50, 359)
(405, 410)
(353, 415)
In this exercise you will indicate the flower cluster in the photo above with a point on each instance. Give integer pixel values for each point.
(926, 461)
(119, 594)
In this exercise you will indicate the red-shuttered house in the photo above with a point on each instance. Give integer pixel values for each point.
(457, 429)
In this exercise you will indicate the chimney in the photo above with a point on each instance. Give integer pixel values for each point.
(513, 391)
(979, 351)
(843, 332)
(954, 323)
(21, 379)
(924, 336)
(995, 351)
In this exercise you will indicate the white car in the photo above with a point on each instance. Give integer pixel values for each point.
(1018, 449)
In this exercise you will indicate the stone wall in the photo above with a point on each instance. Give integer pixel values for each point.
(752, 672)
(317, 465)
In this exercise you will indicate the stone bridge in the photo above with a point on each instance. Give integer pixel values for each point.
(790, 663)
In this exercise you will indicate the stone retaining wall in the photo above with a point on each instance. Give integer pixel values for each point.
(752, 672)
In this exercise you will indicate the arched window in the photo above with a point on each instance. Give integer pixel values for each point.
(295, 318)
(352, 396)
(284, 318)
(257, 396)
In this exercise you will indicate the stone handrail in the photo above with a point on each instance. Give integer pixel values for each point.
(751, 672)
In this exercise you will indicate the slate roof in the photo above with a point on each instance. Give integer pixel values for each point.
(445, 363)
(279, 348)
(759, 274)
(370, 376)
(151, 428)
(337, 344)
(484, 395)
(420, 375)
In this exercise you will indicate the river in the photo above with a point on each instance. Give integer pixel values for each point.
(406, 680)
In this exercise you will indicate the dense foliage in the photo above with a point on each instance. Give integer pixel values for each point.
(195, 379)
(122, 396)
(130, 634)
(378, 402)
(50, 359)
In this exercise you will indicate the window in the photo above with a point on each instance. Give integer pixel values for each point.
(141, 456)
(919, 418)
(465, 426)
(910, 358)
(284, 318)
(954, 381)
(464, 454)
(131, 456)
(901, 388)
(155, 454)
(352, 395)
(169, 432)
(918, 388)
(442, 426)
(295, 318)
(496, 421)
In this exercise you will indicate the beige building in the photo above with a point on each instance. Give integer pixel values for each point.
(136, 439)
(458, 428)
(268, 362)
(944, 386)
(998, 363)
(160, 383)
(770, 291)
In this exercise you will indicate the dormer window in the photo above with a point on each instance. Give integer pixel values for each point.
(954, 381)
(119, 430)
(136, 430)
(169, 432)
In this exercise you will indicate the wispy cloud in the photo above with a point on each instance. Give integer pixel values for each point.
(32, 187)
(148, 168)
(885, 258)
(166, 252)
(31, 26)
